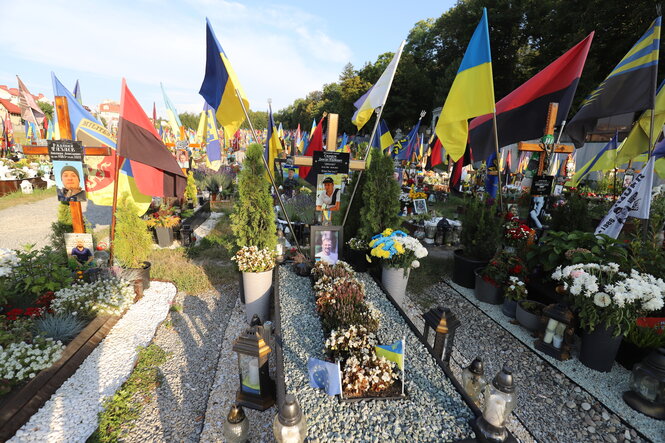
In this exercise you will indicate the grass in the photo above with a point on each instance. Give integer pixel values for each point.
(19, 198)
(128, 401)
(188, 275)
(431, 271)
(217, 245)
(447, 208)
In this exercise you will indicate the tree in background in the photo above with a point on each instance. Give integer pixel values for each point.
(47, 109)
(189, 120)
(380, 197)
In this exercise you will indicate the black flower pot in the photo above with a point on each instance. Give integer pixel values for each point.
(509, 307)
(629, 354)
(486, 292)
(463, 268)
(357, 259)
(599, 348)
(528, 319)
(142, 273)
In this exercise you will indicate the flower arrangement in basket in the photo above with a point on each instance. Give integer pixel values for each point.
(603, 295)
(253, 259)
(397, 250)
(515, 234)
(163, 218)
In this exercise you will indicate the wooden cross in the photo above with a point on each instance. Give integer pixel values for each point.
(544, 148)
(64, 125)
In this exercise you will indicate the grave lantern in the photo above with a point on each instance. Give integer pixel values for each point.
(290, 425)
(257, 390)
(473, 379)
(499, 403)
(236, 426)
(445, 323)
(556, 335)
(647, 386)
(26, 187)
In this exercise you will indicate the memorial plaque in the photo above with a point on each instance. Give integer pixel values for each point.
(327, 162)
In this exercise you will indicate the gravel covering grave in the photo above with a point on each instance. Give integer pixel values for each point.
(553, 404)
(434, 410)
(71, 413)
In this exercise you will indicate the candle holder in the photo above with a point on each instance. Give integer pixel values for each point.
(236, 426)
(647, 386)
(290, 425)
(257, 390)
(473, 379)
(499, 403)
(444, 322)
(557, 331)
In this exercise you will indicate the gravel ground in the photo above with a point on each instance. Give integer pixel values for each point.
(433, 410)
(549, 404)
(194, 338)
(16, 232)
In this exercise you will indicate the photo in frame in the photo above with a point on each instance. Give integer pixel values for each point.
(420, 206)
(326, 243)
(79, 246)
(329, 192)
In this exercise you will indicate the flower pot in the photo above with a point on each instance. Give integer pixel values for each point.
(257, 287)
(142, 273)
(394, 280)
(463, 268)
(164, 236)
(486, 292)
(599, 348)
(629, 354)
(357, 260)
(509, 307)
(528, 319)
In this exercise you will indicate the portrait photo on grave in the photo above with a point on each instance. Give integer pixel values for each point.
(182, 157)
(420, 206)
(69, 180)
(80, 247)
(326, 241)
(329, 192)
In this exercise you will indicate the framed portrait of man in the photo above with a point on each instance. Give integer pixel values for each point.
(80, 247)
(329, 192)
(326, 243)
(420, 206)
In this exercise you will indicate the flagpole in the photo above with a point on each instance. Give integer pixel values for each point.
(373, 135)
(114, 206)
(403, 361)
(498, 156)
(645, 231)
(265, 164)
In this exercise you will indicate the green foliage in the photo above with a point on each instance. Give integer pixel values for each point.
(481, 230)
(259, 119)
(15, 331)
(125, 405)
(63, 327)
(646, 338)
(253, 218)
(36, 272)
(62, 226)
(567, 248)
(502, 266)
(190, 190)
(353, 220)
(47, 109)
(133, 241)
(380, 197)
(189, 120)
(571, 215)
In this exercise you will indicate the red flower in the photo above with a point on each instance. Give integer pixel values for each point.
(14, 314)
(516, 270)
(33, 312)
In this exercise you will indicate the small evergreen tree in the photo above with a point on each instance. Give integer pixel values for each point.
(190, 190)
(133, 240)
(380, 197)
(481, 230)
(253, 217)
(353, 220)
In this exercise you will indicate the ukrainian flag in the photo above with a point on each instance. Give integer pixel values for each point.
(171, 114)
(394, 353)
(471, 95)
(383, 140)
(220, 84)
(273, 146)
(605, 160)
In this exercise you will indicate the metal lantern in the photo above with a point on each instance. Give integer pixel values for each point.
(499, 403)
(257, 390)
(444, 322)
(290, 425)
(186, 232)
(473, 379)
(556, 335)
(647, 386)
(236, 426)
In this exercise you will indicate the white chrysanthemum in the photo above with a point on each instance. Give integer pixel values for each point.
(601, 299)
(415, 264)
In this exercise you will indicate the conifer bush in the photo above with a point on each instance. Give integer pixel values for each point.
(133, 240)
(253, 217)
(190, 190)
(380, 196)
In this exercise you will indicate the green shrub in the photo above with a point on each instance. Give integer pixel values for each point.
(133, 241)
(481, 230)
(571, 215)
(646, 338)
(62, 327)
(253, 218)
(353, 220)
(190, 190)
(380, 197)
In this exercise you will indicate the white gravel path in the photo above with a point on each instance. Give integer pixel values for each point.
(70, 415)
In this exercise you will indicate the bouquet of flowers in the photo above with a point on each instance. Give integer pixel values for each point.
(515, 289)
(603, 295)
(501, 267)
(358, 244)
(397, 249)
(515, 233)
(253, 259)
(413, 195)
(164, 218)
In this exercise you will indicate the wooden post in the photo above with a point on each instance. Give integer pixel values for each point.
(331, 144)
(64, 125)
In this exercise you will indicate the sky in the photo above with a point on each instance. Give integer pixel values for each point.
(280, 50)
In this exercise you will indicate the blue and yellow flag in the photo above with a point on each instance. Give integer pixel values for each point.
(471, 95)
(343, 142)
(273, 146)
(220, 84)
(383, 140)
(605, 159)
(406, 145)
(100, 170)
(628, 88)
(394, 353)
(171, 114)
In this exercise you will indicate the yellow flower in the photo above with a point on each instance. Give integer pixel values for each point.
(387, 232)
(373, 242)
(399, 248)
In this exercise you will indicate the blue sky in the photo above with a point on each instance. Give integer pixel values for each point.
(280, 50)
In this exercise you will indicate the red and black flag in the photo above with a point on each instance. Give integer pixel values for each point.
(521, 114)
(315, 144)
(155, 169)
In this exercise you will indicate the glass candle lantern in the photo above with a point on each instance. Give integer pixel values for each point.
(473, 379)
(499, 403)
(256, 388)
(290, 425)
(556, 337)
(647, 386)
(236, 426)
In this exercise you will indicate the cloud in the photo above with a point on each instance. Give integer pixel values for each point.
(278, 52)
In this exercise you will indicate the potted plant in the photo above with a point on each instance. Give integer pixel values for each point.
(491, 279)
(132, 242)
(607, 302)
(357, 252)
(380, 196)
(515, 234)
(190, 191)
(642, 338)
(479, 238)
(528, 314)
(398, 253)
(253, 225)
(256, 266)
(514, 291)
(163, 221)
